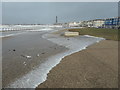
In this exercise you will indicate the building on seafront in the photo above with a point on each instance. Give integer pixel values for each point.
(92, 23)
(98, 23)
(113, 23)
(74, 24)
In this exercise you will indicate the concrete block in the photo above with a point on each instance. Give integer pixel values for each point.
(69, 34)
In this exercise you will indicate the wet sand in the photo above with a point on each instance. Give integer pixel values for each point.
(94, 67)
(14, 49)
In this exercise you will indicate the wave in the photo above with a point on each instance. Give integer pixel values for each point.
(43, 29)
(8, 35)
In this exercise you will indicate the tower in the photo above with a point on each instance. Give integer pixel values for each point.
(56, 20)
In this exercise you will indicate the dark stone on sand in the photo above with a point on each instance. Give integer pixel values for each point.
(14, 50)
(43, 53)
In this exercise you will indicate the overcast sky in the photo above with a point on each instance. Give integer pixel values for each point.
(45, 12)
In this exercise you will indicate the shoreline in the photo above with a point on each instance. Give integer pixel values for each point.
(13, 55)
(69, 75)
(56, 39)
(69, 43)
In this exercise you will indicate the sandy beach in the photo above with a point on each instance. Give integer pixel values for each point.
(94, 67)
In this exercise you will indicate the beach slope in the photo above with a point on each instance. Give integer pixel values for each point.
(94, 67)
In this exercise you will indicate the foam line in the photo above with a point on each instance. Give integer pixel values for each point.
(11, 35)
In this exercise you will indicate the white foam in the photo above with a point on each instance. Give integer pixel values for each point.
(39, 75)
(92, 36)
(8, 35)
(47, 29)
(44, 29)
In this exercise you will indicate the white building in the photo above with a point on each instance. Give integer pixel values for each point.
(93, 23)
(98, 23)
(74, 24)
(83, 23)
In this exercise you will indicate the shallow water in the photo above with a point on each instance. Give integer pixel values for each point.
(15, 48)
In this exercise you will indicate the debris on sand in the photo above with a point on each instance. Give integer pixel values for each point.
(24, 63)
(43, 53)
(38, 55)
(26, 56)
